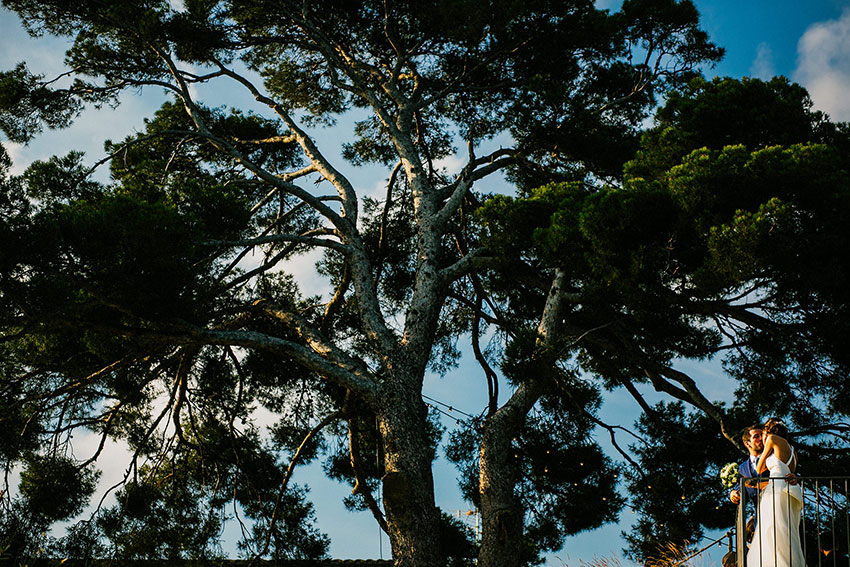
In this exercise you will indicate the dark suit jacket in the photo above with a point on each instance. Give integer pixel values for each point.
(747, 470)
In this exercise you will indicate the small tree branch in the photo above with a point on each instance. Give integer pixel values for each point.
(107, 426)
(384, 220)
(284, 483)
(336, 301)
(360, 485)
(641, 401)
(324, 360)
(187, 358)
(490, 319)
(264, 141)
(489, 373)
(474, 170)
(463, 266)
(688, 393)
(317, 159)
(306, 238)
(610, 428)
(203, 130)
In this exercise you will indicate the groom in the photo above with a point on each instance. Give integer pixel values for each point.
(754, 444)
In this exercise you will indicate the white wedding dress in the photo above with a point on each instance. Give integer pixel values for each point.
(776, 542)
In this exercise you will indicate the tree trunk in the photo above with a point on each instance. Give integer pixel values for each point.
(501, 511)
(408, 485)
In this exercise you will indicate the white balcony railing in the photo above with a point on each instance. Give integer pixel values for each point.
(821, 521)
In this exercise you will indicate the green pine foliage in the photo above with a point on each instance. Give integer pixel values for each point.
(719, 243)
(159, 308)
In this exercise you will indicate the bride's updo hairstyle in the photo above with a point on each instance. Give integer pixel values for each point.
(775, 427)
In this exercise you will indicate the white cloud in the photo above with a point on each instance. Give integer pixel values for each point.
(378, 189)
(823, 65)
(303, 269)
(86, 134)
(117, 456)
(451, 164)
(763, 67)
(17, 153)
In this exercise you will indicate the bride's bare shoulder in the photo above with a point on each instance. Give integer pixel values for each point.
(774, 438)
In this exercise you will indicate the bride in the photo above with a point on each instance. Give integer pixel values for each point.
(776, 542)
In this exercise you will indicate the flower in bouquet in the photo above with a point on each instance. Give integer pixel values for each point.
(729, 475)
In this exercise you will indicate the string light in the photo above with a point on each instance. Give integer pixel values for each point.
(445, 413)
(448, 406)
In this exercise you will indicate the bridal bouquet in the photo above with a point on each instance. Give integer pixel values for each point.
(729, 475)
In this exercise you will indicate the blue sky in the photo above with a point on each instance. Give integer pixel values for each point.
(805, 40)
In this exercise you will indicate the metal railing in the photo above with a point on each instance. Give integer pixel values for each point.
(823, 514)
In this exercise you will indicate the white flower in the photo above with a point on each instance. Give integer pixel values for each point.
(729, 475)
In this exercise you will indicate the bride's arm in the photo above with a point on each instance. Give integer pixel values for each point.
(769, 447)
